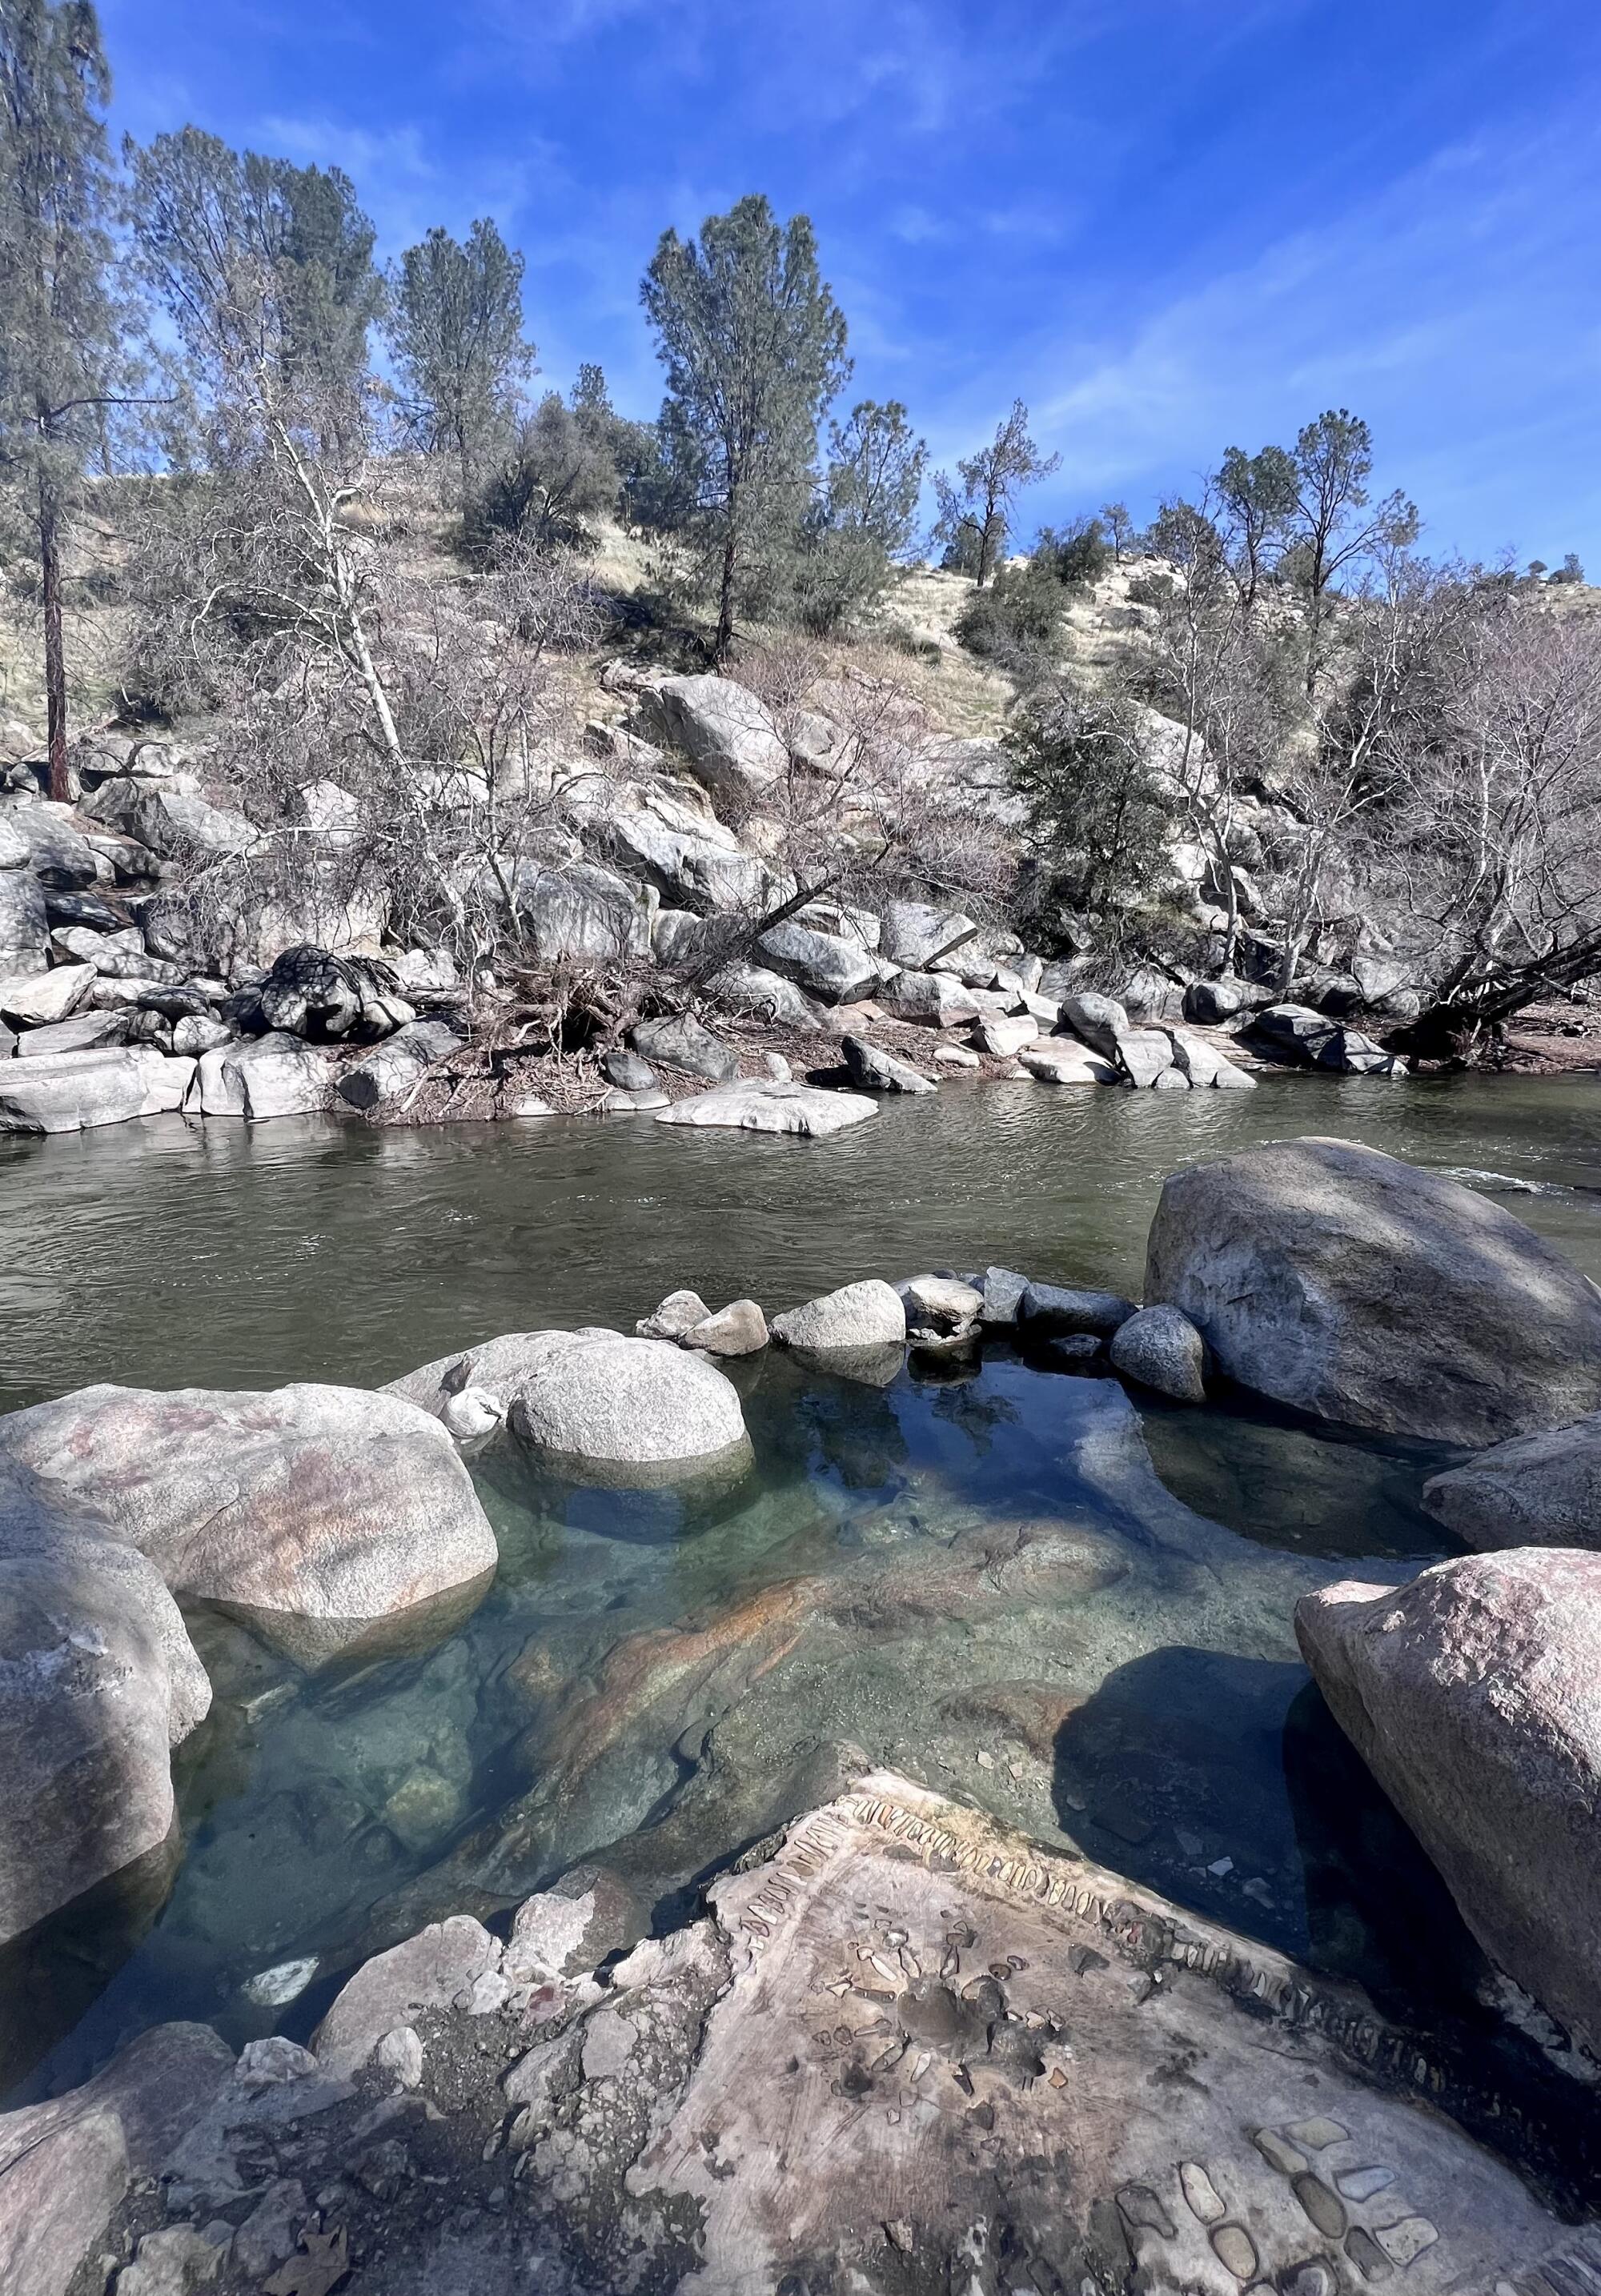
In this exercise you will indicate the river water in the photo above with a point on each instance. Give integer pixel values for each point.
(1008, 1577)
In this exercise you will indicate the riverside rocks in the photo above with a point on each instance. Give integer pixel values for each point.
(399, 1063)
(325, 1503)
(772, 1104)
(65, 2164)
(1062, 1060)
(833, 969)
(1535, 1490)
(876, 1070)
(1047, 1309)
(679, 1041)
(857, 1317)
(77, 1091)
(1474, 1697)
(98, 1681)
(1360, 1289)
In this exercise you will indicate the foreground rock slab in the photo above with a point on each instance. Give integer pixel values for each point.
(768, 1104)
(1362, 1290)
(323, 1502)
(1474, 1695)
(907, 2050)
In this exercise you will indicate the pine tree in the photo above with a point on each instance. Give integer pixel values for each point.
(61, 370)
(458, 342)
(976, 507)
(754, 347)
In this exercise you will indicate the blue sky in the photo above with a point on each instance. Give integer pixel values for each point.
(1169, 225)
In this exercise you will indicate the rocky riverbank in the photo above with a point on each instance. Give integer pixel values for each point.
(649, 944)
(1011, 2061)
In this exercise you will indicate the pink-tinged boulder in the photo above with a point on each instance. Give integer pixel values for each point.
(325, 1503)
(1474, 1695)
(1357, 1288)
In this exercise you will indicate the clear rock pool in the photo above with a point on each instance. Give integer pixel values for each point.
(1001, 1576)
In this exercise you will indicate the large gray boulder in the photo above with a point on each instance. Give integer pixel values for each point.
(320, 1502)
(264, 1077)
(757, 989)
(75, 1092)
(1145, 1056)
(181, 826)
(34, 999)
(770, 1104)
(1298, 1033)
(59, 854)
(938, 1000)
(582, 913)
(678, 1040)
(1474, 1695)
(605, 1401)
(836, 970)
(98, 1681)
(729, 737)
(399, 1062)
(24, 923)
(876, 1070)
(856, 1317)
(1099, 1020)
(1534, 1490)
(916, 934)
(1358, 1289)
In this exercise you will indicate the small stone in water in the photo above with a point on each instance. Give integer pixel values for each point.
(286, 1981)
(1222, 1865)
(985, 1761)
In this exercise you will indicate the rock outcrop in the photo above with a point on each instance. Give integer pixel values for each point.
(1474, 1695)
(325, 1503)
(1361, 1290)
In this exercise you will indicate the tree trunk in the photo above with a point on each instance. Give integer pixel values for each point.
(723, 645)
(55, 656)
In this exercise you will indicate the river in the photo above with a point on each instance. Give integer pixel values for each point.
(1010, 1580)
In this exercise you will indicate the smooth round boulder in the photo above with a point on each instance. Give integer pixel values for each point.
(1474, 1695)
(1161, 1349)
(607, 1401)
(1360, 1290)
(321, 1502)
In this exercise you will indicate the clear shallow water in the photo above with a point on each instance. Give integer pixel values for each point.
(1012, 1581)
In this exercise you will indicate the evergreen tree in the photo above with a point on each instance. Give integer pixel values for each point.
(876, 467)
(1333, 461)
(61, 368)
(266, 270)
(754, 348)
(976, 513)
(1256, 497)
(458, 341)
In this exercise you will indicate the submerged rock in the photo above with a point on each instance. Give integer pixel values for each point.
(1474, 1697)
(1358, 1288)
(772, 1104)
(322, 1502)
